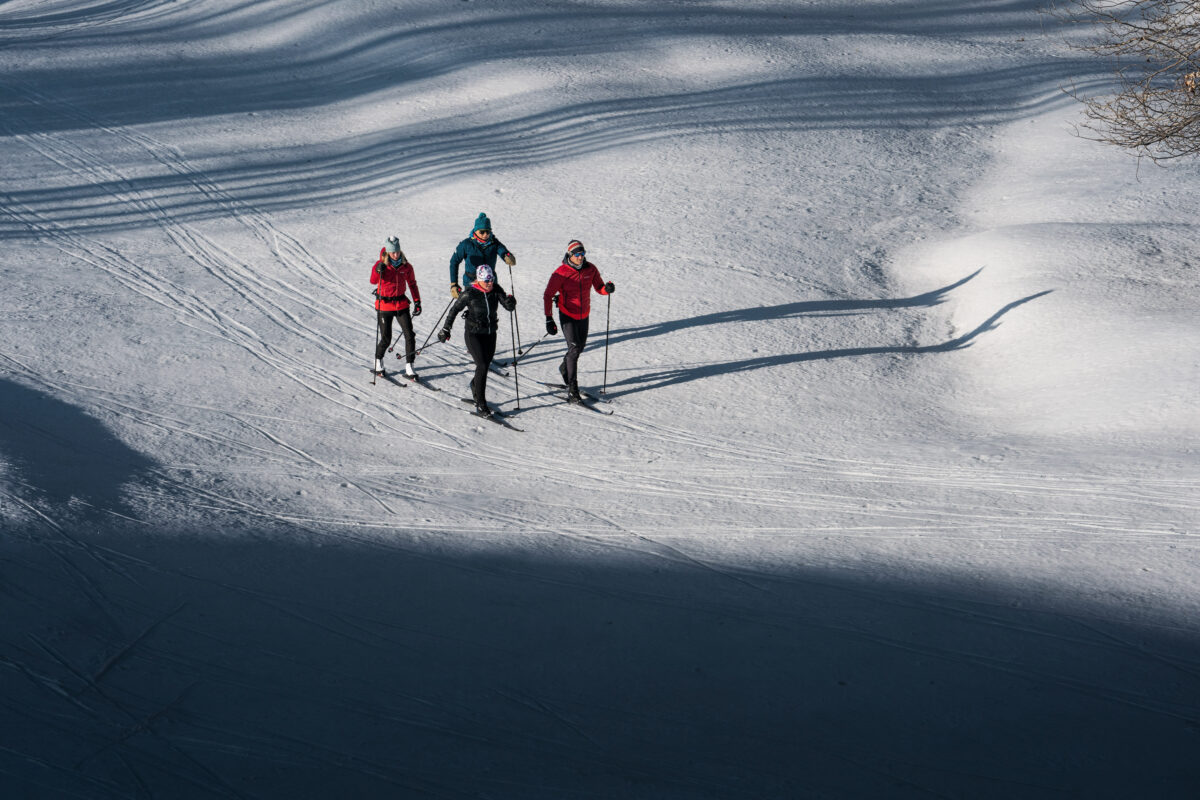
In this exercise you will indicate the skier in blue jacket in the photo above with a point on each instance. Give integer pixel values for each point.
(481, 247)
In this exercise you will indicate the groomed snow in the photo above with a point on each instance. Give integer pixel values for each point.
(899, 497)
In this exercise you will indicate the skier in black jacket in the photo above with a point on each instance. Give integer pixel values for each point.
(480, 300)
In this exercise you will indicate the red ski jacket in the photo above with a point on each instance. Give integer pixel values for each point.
(392, 280)
(573, 289)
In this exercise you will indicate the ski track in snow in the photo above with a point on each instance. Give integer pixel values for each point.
(273, 299)
(683, 480)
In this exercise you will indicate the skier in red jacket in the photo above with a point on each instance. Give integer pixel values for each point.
(571, 287)
(392, 274)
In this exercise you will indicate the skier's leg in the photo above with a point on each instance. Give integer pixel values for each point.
(487, 345)
(575, 331)
(410, 339)
(385, 333)
(478, 350)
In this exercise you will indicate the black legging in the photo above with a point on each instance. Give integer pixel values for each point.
(482, 347)
(575, 331)
(385, 333)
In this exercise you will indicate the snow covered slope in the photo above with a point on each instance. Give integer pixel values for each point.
(899, 492)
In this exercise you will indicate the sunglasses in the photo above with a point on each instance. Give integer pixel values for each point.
(580, 253)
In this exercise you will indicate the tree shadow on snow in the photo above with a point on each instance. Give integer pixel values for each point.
(306, 62)
(418, 150)
(63, 455)
(252, 656)
(288, 662)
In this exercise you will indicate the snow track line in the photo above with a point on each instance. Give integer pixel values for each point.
(543, 708)
(638, 482)
(324, 467)
(265, 297)
(142, 725)
(228, 270)
(116, 657)
(86, 583)
(284, 247)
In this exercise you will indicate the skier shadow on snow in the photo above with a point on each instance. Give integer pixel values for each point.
(803, 308)
(59, 456)
(669, 377)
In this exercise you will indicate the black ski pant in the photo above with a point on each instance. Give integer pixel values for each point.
(385, 333)
(482, 347)
(575, 331)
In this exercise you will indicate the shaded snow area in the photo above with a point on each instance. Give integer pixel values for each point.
(899, 492)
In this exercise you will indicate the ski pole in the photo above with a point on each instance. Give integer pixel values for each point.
(516, 378)
(525, 352)
(420, 350)
(435, 326)
(517, 320)
(607, 315)
(376, 350)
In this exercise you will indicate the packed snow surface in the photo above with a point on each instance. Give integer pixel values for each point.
(898, 498)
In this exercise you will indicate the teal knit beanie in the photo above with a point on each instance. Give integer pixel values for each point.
(482, 223)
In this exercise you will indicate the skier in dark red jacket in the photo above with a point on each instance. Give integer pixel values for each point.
(571, 287)
(392, 275)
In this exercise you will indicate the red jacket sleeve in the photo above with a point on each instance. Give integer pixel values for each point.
(411, 277)
(552, 288)
(597, 282)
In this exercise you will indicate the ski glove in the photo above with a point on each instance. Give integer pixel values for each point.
(510, 259)
(510, 303)
(444, 335)
(551, 328)
(455, 290)
(609, 288)
(416, 308)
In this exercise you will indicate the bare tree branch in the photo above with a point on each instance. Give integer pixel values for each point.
(1154, 49)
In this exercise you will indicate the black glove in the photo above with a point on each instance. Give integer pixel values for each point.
(444, 335)
(416, 308)
(510, 303)
(551, 328)
(608, 287)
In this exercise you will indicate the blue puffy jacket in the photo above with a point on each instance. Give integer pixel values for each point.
(471, 253)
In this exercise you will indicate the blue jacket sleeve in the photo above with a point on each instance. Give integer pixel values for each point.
(456, 259)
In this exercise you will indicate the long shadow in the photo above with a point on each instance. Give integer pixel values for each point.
(90, 14)
(327, 60)
(783, 311)
(418, 151)
(258, 664)
(669, 377)
(61, 454)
